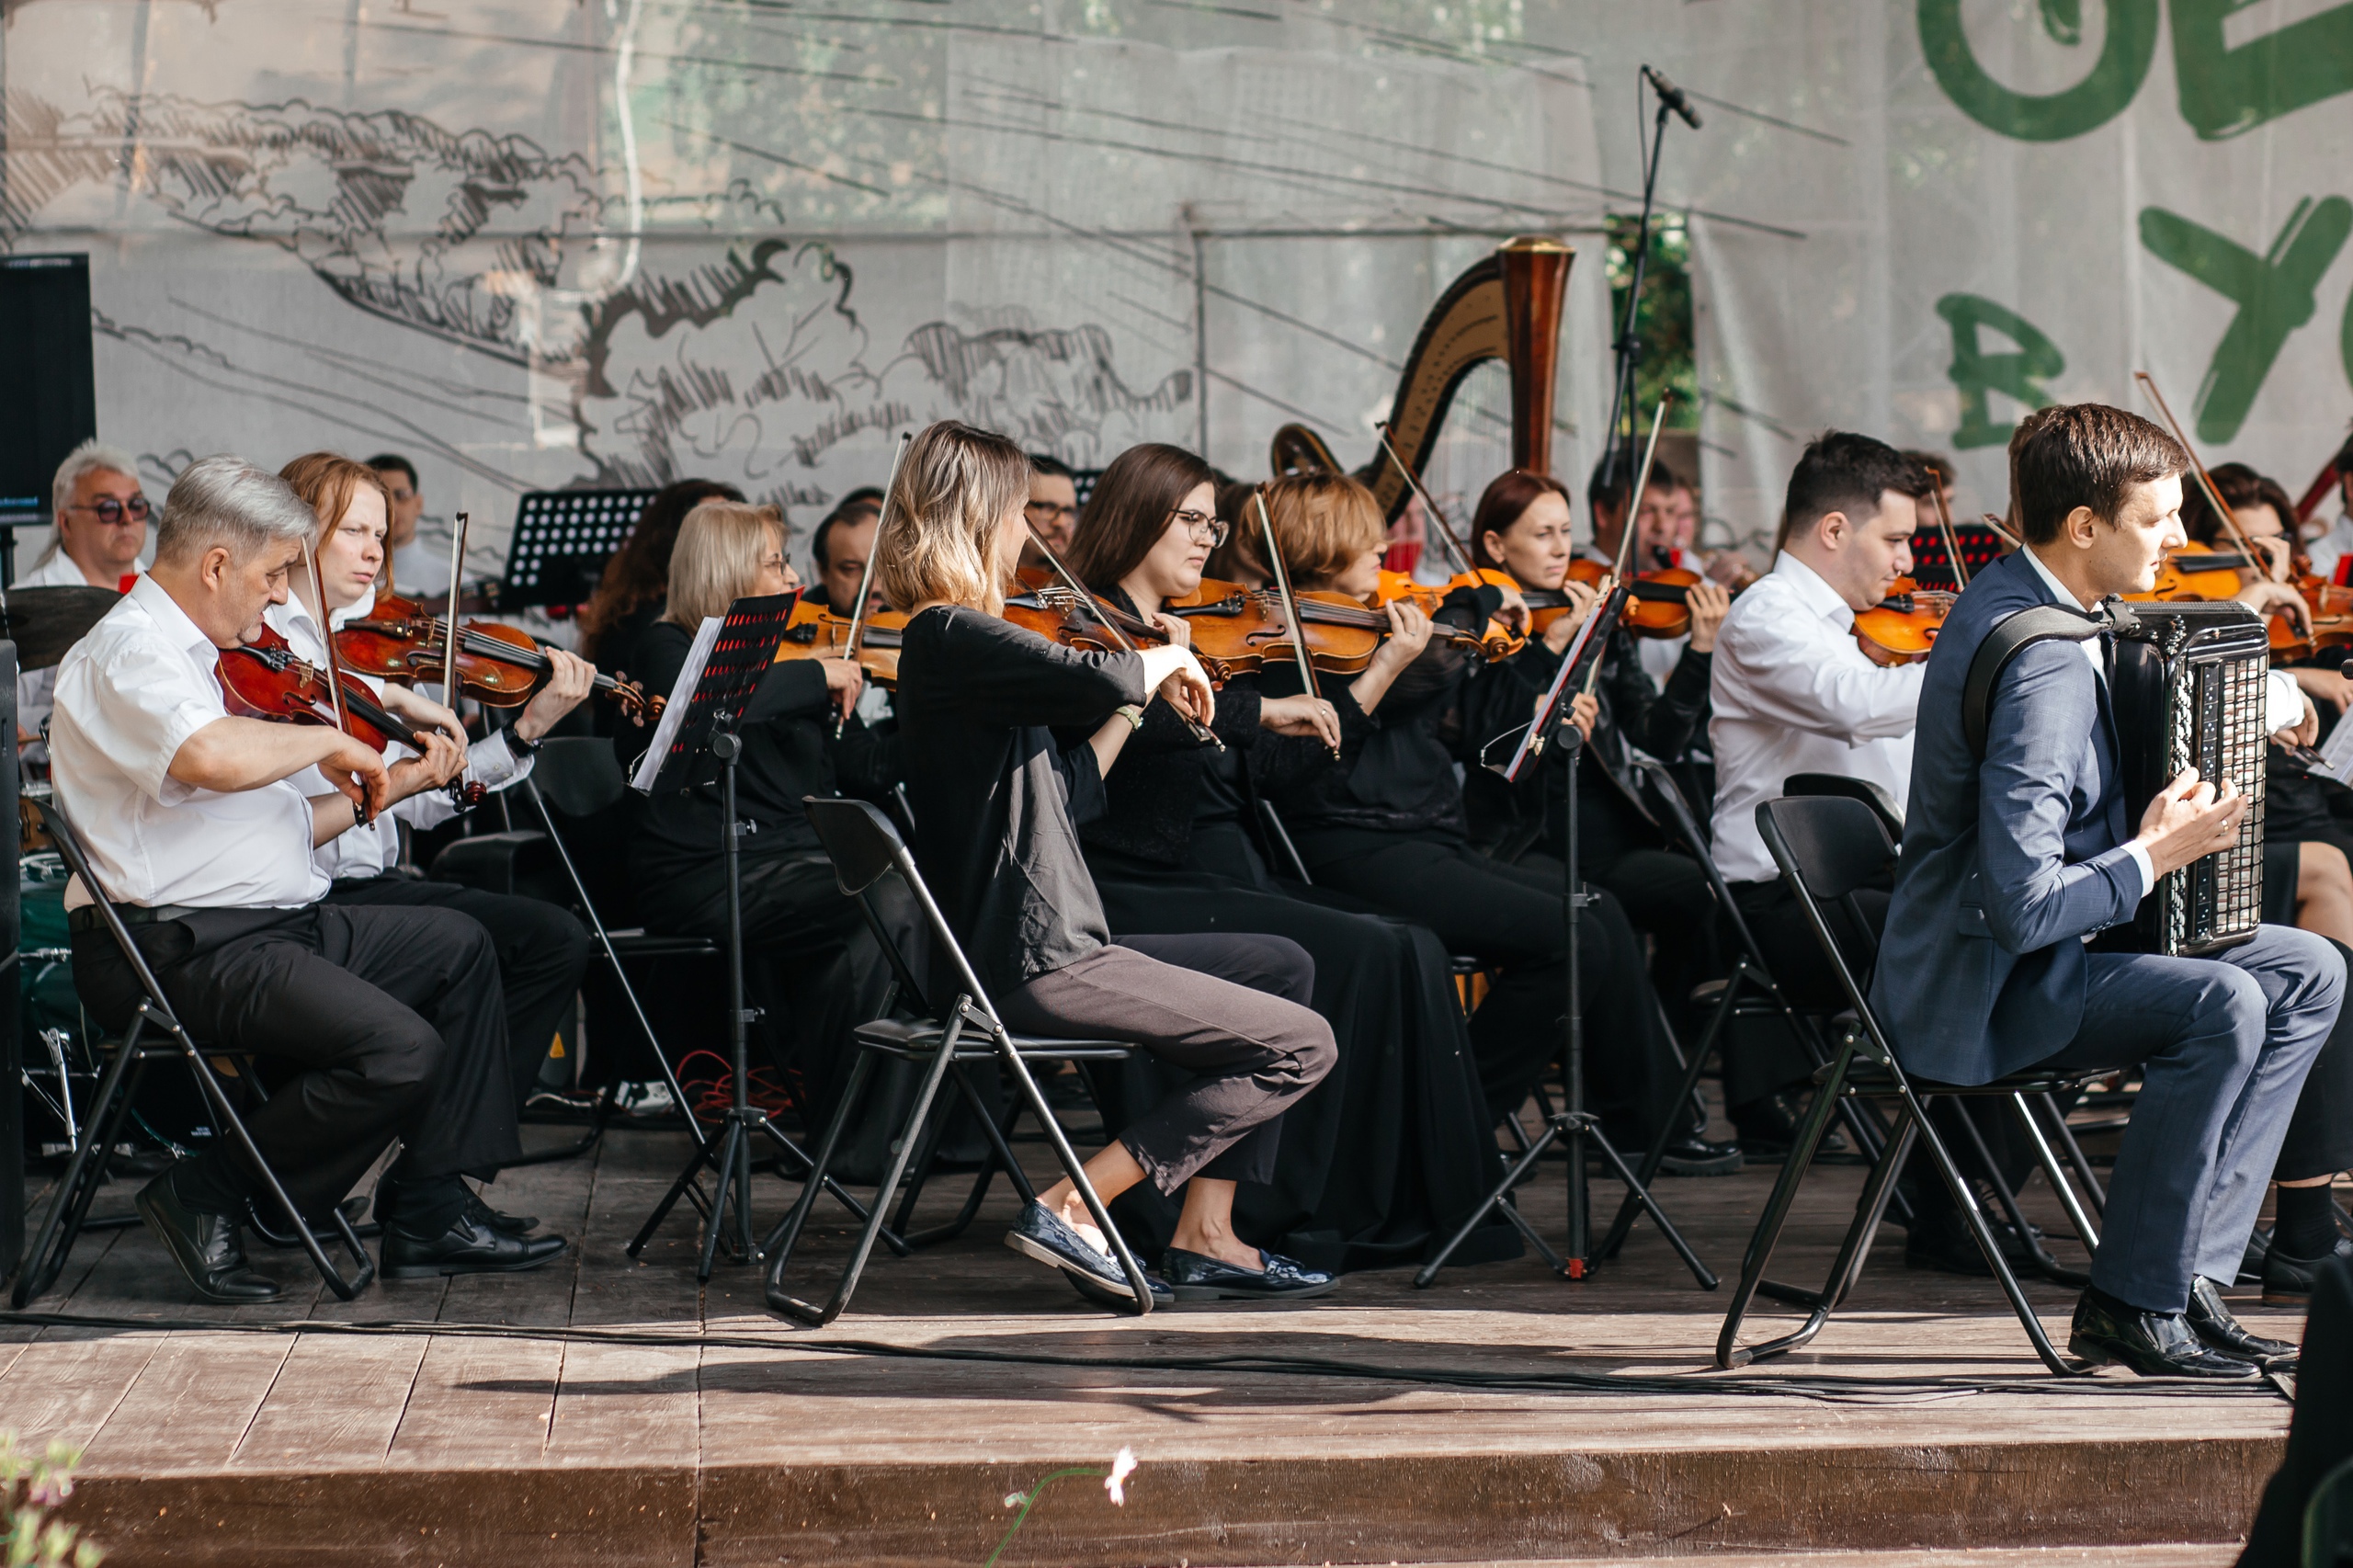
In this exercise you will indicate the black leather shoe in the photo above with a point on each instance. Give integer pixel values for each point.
(1944, 1245)
(2258, 1247)
(267, 1223)
(2212, 1322)
(2155, 1345)
(1695, 1156)
(204, 1245)
(1040, 1234)
(1767, 1130)
(1095, 1291)
(469, 1246)
(505, 1224)
(1195, 1277)
(2287, 1281)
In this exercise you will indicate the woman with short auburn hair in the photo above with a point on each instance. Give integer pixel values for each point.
(995, 798)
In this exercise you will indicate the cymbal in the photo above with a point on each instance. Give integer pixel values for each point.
(45, 623)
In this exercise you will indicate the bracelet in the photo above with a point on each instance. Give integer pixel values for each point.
(1132, 714)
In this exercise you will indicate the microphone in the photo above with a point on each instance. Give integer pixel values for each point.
(1672, 96)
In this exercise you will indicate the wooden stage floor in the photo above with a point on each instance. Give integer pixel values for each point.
(217, 1438)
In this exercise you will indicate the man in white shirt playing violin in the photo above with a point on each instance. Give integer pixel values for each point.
(386, 1022)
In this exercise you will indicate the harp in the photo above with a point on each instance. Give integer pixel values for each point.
(1506, 306)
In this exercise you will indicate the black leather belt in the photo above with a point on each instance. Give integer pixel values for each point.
(86, 917)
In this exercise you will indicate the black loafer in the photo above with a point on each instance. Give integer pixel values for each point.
(480, 1211)
(2258, 1247)
(1195, 1278)
(267, 1223)
(1767, 1130)
(1695, 1156)
(2288, 1280)
(1040, 1234)
(469, 1246)
(1944, 1245)
(2212, 1323)
(1098, 1292)
(205, 1246)
(2155, 1345)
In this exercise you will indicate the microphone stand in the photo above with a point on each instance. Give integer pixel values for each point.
(1628, 347)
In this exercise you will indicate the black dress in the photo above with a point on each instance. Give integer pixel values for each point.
(1386, 824)
(1383, 1161)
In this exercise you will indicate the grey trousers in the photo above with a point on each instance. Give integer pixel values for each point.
(1227, 1017)
(2223, 1045)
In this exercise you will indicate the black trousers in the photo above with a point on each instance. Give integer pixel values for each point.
(1511, 918)
(1229, 1009)
(542, 953)
(386, 1022)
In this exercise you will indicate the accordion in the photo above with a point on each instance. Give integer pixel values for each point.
(2188, 692)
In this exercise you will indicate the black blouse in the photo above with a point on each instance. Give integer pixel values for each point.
(995, 797)
(789, 752)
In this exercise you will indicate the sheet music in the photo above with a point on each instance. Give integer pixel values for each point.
(674, 711)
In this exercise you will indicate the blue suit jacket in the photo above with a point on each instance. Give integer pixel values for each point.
(2009, 863)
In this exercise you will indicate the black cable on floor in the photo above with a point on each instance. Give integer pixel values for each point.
(1824, 1388)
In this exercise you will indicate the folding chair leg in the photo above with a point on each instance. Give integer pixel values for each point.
(1767, 1235)
(1000, 1155)
(232, 1124)
(1656, 1155)
(1140, 1287)
(2036, 1254)
(934, 1134)
(779, 1246)
(1975, 1218)
(2064, 1136)
(45, 1259)
(817, 1317)
(2086, 1232)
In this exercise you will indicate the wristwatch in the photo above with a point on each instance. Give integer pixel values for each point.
(1132, 714)
(518, 745)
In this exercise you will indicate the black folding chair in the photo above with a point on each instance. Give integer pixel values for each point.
(110, 1108)
(1826, 847)
(863, 846)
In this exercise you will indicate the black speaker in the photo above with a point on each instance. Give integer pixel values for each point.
(49, 402)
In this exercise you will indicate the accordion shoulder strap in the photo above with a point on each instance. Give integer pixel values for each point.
(2011, 636)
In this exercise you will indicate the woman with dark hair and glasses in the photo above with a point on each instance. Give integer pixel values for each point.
(1385, 1158)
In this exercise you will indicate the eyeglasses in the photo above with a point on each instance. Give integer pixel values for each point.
(1049, 509)
(111, 512)
(1206, 528)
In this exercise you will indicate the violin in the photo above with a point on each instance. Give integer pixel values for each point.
(1658, 603)
(263, 679)
(816, 632)
(1057, 614)
(1902, 628)
(498, 665)
(1496, 642)
(1241, 629)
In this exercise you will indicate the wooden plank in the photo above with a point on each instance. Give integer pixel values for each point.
(335, 1406)
(191, 1405)
(66, 1388)
(625, 1403)
(479, 1402)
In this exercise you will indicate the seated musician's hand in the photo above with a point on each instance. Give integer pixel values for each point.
(570, 680)
(2304, 731)
(845, 678)
(443, 760)
(1710, 602)
(2323, 686)
(2190, 819)
(1584, 710)
(1514, 611)
(1409, 633)
(1189, 691)
(1178, 631)
(1303, 716)
(2273, 598)
(357, 771)
(1581, 599)
(423, 712)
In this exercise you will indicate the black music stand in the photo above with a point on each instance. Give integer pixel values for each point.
(561, 540)
(695, 745)
(1573, 1125)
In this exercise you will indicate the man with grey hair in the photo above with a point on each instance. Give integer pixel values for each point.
(100, 515)
(387, 1022)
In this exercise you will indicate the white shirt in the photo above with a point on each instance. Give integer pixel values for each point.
(1659, 655)
(34, 687)
(371, 850)
(2090, 645)
(1793, 693)
(128, 696)
(2332, 547)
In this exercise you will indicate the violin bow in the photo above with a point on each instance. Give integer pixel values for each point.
(1610, 585)
(326, 635)
(1454, 545)
(1952, 542)
(1291, 606)
(2001, 528)
(449, 692)
(2255, 562)
(866, 573)
(1201, 732)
